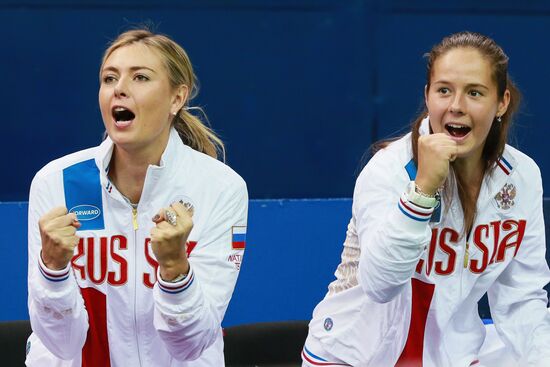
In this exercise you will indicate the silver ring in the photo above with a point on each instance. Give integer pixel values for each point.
(187, 205)
(171, 217)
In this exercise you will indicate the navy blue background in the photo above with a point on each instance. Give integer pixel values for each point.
(297, 89)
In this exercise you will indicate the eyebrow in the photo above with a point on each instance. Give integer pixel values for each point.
(471, 85)
(132, 68)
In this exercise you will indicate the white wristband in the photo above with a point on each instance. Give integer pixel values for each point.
(417, 197)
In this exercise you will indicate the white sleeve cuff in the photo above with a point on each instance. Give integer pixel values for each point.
(174, 292)
(414, 212)
(54, 280)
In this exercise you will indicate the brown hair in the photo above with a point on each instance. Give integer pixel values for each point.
(498, 134)
(191, 129)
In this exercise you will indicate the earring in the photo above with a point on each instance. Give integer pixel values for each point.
(499, 118)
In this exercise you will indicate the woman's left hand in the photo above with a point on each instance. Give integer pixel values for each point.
(168, 239)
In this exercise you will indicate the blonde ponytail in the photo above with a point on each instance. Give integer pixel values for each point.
(198, 135)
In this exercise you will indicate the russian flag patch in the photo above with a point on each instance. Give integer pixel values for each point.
(238, 237)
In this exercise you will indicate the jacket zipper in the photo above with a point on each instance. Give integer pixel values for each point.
(134, 218)
(135, 224)
(466, 254)
(466, 260)
(467, 247)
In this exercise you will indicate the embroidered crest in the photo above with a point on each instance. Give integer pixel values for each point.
(505, 198)
(328, 324)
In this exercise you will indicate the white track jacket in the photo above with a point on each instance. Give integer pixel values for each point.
(408, 286)
(108, 307)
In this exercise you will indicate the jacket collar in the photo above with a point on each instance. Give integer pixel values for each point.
(105, 152)
(501, 172)
(173, 153)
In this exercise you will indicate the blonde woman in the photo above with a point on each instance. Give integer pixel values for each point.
(132, 243)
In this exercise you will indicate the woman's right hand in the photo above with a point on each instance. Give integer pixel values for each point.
(58, 234)
(435, 152)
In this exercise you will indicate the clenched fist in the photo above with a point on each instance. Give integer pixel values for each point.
(168, 238)
(58, 233)
(435, 153)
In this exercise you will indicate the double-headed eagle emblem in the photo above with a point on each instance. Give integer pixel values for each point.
(505, 198)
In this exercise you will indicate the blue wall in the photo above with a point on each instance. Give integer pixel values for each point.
(293, 248)
(297, 88)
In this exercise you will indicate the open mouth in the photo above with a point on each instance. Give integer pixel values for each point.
(457, 131)
(123, 116)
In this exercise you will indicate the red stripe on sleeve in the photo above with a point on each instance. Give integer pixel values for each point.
(96, 349)
(422, 294)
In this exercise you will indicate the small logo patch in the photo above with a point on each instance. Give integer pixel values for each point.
(505, 198)
(28, 348)
(328, 324)
(238, 237)
(85, 212)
